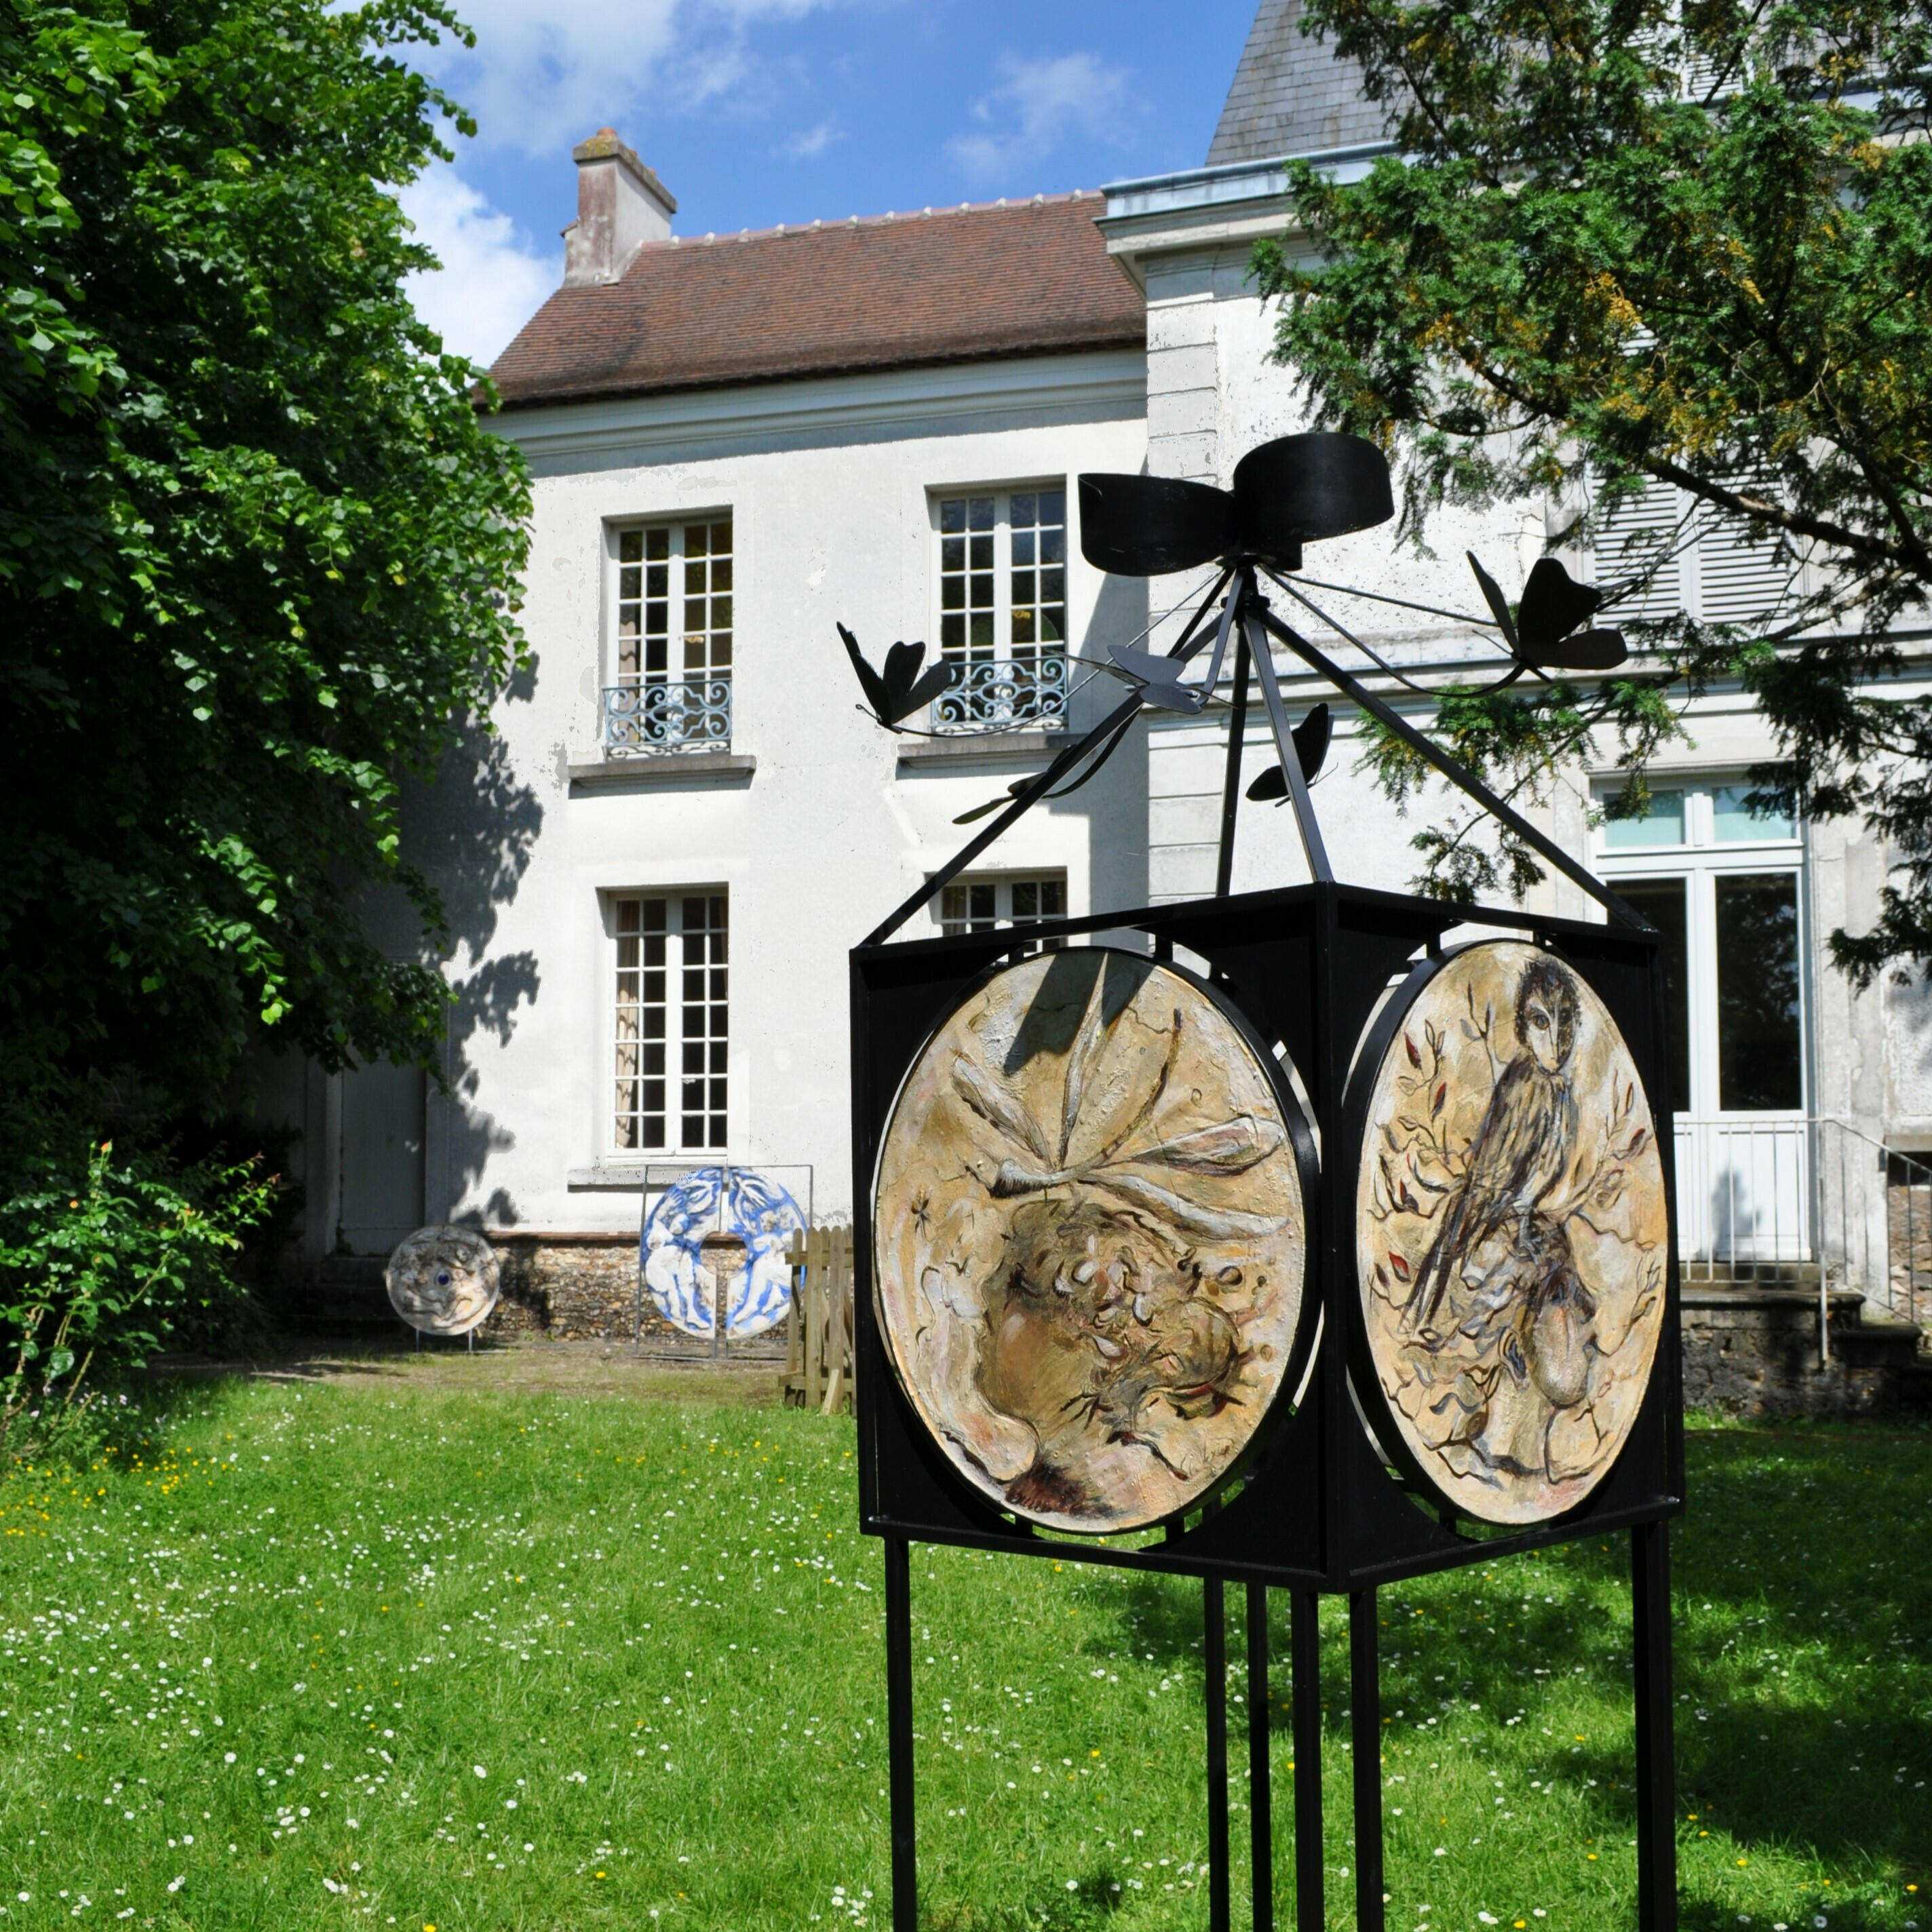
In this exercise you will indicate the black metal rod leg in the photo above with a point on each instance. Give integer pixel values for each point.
(1305, 1647)
(1231, 783)
(898, 1734)
(1213, 1607)
(1656, 1779)
(1365, 1704)
(1261, 1786)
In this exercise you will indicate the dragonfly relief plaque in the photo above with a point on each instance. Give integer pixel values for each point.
(1091, 1239)
(1512, 1234)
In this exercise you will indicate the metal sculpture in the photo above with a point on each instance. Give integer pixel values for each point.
(1490, 1257)
(443, 1280)
(714, 1244)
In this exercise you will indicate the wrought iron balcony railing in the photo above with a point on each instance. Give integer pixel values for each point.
(997, 694)
(682, 715)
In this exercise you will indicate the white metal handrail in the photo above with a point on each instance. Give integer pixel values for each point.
(1774, 1200)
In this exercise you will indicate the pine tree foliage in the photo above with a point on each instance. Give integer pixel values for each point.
(1642, 250)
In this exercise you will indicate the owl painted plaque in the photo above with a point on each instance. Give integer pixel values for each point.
(1090, 1239)
(1512, 1234)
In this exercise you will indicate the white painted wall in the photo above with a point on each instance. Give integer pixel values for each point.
(1213, 394)
(828, 484)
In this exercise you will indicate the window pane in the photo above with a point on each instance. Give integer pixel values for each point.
(1663, 825)
(1039, 595)
(987, 905)
(965, 579)
(1759, 1058)
(704, 1017)
(1661, 901)
(639, 1117)
(1736, 825)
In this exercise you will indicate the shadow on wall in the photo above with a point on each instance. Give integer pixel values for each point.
(1116, 804)
(473, 830)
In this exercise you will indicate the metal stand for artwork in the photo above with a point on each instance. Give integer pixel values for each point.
(1326, 1511)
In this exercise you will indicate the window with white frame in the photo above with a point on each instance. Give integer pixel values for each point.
(1002, 582)
(672, 1035)
(672, 653)
(1724, 886)
(986, 905)
(674, 602)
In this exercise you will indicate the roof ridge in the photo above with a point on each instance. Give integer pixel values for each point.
(783, 230)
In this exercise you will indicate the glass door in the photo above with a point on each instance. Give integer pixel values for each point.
(1723, 886)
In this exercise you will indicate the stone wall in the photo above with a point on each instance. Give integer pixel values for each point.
(574, 1287)
(570, 1288)
(1755, 1352)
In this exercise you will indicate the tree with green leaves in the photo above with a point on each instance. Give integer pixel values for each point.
(258, 557)
(1626, 243)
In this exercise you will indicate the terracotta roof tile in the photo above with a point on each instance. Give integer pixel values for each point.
(897, 291)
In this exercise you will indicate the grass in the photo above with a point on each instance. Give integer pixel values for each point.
(405, 1647)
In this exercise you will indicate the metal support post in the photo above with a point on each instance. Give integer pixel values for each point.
(1231, 785)
(1365, 1706)
(1261, 1788)
(898, 1734)
(1214, 1650)
(1656, 1781)
(1305, 1660)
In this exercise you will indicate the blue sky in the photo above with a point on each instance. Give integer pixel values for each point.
(755, 112)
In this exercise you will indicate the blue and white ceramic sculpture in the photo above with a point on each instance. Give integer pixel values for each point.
(690, 1271)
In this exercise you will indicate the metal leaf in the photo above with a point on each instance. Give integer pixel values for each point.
(1311, 738)
(1588, 650)
(869, 680)
(1553, 605)
(1499, 609)
(1158, 679)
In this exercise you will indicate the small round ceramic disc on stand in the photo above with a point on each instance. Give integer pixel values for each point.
(443, 1280)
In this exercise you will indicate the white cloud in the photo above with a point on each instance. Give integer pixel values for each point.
(808, 144)
(543, 77)
(1036, 103)
(491, 281)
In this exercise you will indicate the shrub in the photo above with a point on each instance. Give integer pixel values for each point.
(98, 1269)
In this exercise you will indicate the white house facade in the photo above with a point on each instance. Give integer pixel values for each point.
(659, 863)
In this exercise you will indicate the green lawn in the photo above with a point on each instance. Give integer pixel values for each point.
(409, 1648)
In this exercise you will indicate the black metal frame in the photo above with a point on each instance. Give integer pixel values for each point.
(1320, 1511)
(1317, 1509)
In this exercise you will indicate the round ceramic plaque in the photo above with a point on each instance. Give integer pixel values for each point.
(443, 1280)
(1512, 1233)
(716, 1243)
(1090, 1239)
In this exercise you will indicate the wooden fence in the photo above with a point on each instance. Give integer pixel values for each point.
(818, 1355)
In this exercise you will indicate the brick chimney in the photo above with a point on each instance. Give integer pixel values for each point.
(620, 205)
